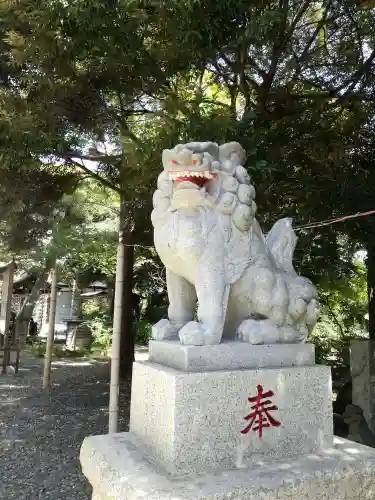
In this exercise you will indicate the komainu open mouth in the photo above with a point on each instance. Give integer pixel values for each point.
(197, 177)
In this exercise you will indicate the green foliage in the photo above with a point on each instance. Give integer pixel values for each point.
(103, 337)
(343, 316)
(123, 74)
(116, 82)
(38, 349)
(345, 301)
(102, 333)
(61, 352)
(94, 308)
(142, 332)
(89, 248)
(97, 317)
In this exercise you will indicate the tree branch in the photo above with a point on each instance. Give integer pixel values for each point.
(96, 176)
(125, 129)
(302, 58)
(325, 95)
(357, 34)
(333, 315)
(241, 63)
(252, 62)
(220, 72)
(277, 49)
(355, 78)
(297, 19)
(243, 80)
(217, 103)
(107, 159)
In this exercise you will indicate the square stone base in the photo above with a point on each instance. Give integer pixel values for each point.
(362, 364)
(117, 469)
(229, 355)
(192, 422)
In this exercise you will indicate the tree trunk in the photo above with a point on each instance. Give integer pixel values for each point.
(51, 330)
(122, 356)
(6, 310)
(371, 287)
(127, 330)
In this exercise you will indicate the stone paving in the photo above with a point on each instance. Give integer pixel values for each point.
(41, 431)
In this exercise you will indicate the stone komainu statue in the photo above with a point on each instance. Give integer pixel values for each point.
(214, 251)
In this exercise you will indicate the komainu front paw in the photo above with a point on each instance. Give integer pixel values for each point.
(192, 334)
(260, 332)
(164, 330)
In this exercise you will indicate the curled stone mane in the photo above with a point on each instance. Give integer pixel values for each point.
(236, 194)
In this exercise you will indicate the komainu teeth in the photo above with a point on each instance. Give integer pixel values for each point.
(206, 174)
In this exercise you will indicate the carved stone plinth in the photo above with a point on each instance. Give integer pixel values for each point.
(192, 422)
(118, 469)
(185, 440)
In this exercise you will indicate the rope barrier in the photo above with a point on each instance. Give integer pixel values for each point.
(312, 225)
(329, 222)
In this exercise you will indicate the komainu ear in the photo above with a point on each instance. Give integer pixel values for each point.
(167, 157)
(209, 147)
(232, 148)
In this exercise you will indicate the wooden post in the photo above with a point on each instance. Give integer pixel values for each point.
(127, 326)
(51, 330)
(6, 309)
(116, 339)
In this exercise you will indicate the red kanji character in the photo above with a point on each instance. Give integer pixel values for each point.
(260, 416)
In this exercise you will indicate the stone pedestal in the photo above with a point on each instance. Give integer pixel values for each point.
(192, 422)
(362, 365)
(194, 434)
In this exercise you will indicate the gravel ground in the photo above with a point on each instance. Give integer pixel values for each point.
(41, 431)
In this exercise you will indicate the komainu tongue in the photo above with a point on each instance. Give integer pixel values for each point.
(199, 181)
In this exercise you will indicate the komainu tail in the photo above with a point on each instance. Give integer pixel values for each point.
(281, 242)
